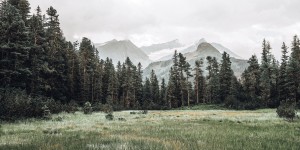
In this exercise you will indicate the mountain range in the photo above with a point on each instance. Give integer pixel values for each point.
(162, 54)
(120, 50)
(203, 50)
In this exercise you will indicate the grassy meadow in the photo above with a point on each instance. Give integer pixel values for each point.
(174, 130)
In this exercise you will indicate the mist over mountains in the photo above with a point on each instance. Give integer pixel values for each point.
(161, 46)
(120, 50)
(158, 57)
(203, 50)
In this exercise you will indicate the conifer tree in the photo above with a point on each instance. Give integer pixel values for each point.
(226, 74)
(139, 85)
(163, 92)
(293, 71)
(283, 78)
(88, 65)
(37, 55)
(24, 8)
(274, 75)
(251, 81)
(108, 88)
(174, 91)
(188, 86)
(73, 72)
(265, 81)
(14, 48)
(121, 78)
(213, 86)
(57, 59)
(172, 98)
(154, 88)
(128, 84)
(112, 88)
(147, 97)
(199, 82)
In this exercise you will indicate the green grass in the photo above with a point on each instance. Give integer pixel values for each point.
(175, 129)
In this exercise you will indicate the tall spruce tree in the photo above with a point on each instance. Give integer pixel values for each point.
(163, 92)
(87, 69)
(174, 92)
(213, 86)
(154, 87)
(14, 48)
(107, 80)
(283, 76)
(265, 81)
(226, 74)
(172, 98)
(139, 85)
(147, 97)
(293, 71)
(251, 82)
(199, 81)
(128, 85)
(37, 55)
(73, 72)
(57, 59)
(274, 75)
(24, 8)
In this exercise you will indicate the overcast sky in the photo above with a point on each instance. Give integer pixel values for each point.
(239, 25)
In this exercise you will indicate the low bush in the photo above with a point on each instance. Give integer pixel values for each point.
(46, 112)
(71, 107)
(109, 116)
(107, 108)
(87, 109)
(121, 119)
(286, 110)
(16, 104)
(58, 119)
(97, 106)
(144, 111)
(232, 102)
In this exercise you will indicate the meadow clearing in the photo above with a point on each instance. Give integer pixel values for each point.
(172, 129)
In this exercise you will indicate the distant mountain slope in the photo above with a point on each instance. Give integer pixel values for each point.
(157, 47)
(221, 48)
(203, 50)
(120, 50)
(192, 47)
(188, 48)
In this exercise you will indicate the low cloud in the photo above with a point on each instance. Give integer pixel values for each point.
(239, 25)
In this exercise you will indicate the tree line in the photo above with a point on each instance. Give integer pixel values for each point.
(40, 67)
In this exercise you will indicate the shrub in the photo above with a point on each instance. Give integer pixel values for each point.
(109, 116)
(46, 112)
(121, 119)
(87, 109)
(232, 102)
(144, 112)
(54, 107)
(59, 118)
(286, 110)
(97, 106)
(107, 108)
(72, 107)
(16, 104)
